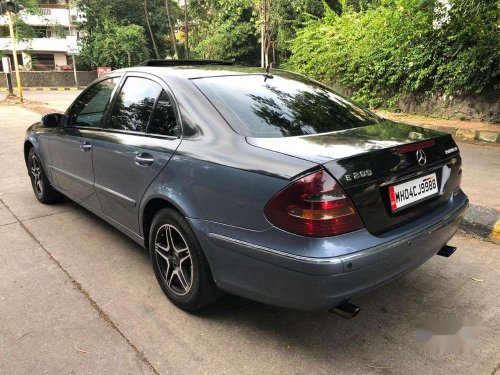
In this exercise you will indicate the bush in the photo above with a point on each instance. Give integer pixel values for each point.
(397, 47)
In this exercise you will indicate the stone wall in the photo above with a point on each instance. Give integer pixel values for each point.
(484, 107)
(51, 79)
(471, 107)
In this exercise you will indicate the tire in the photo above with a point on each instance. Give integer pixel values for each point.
(179, 263)
(44, 192)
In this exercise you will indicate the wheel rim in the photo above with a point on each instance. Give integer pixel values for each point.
(36, 173)
(174, 259)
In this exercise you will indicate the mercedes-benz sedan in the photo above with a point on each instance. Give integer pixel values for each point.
(266, 185)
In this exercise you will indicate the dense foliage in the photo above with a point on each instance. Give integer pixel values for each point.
(230, 29)
(395, 47)
(105, 50)
(226, 30)
(378, 49)
(107, 22)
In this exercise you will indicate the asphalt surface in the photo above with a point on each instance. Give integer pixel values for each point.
(77, 296)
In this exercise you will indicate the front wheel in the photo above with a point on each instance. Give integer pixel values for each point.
(179, 263)
(39, 180)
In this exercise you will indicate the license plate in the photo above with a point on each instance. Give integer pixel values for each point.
(413, 191)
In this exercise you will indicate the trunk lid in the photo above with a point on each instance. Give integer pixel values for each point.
(368, 160)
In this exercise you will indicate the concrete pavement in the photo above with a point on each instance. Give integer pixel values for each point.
(57, 100)
(461, 130)
(78, 296)
(481, 176)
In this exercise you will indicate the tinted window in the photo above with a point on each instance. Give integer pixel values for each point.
(282, 106)
(90, 108)
(134, 104)
(163, 120)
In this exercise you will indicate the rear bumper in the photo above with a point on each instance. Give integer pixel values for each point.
(280, 278)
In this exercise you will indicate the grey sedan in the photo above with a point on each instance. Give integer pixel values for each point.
(264, 184)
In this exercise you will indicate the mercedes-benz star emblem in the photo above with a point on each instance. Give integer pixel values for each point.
(421, 158)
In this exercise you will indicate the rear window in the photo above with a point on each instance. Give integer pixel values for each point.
(281, 106)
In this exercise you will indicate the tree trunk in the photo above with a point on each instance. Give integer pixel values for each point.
(265, 38)
(146, 14)
(186, 27)
(172, 31)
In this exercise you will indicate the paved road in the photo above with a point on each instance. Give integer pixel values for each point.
(76, 296)
(481, 173)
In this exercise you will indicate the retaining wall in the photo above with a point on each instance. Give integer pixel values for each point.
(51, 79)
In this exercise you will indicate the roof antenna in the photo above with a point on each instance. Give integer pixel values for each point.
(268, 75)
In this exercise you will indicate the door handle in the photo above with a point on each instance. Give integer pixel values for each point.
(86, 146)
(144, 160)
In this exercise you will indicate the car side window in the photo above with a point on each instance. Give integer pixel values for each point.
(163, 121)
(134, 104)
(90, 108)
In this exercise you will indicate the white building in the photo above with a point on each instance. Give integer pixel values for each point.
(55, 36)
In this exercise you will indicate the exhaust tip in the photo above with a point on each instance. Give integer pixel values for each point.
(346, 310)
(446, 251)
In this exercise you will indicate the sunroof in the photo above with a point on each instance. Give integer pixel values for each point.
(171, 62)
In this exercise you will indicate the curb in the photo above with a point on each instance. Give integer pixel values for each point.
(483, 222)
(72, 88)
(461, 134)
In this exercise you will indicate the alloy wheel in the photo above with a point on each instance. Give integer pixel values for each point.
(174, 258)
(36, 173)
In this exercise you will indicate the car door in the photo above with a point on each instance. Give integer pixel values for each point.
(71, 145)
(140, 135)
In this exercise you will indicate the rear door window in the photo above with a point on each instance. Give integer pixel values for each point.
(282, 105)
(163, 121)
(134, 104)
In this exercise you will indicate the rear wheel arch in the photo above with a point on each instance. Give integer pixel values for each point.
(27, 147)
(149, 211)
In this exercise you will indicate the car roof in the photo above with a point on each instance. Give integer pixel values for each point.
(195, 71)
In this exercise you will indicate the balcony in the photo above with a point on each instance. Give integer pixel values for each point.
(48, 17)
(37, 45)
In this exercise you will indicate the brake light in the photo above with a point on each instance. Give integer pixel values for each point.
(415, 146)
(314, 206)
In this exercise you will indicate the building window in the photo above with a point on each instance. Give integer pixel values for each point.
(43, 61)
(42, 32)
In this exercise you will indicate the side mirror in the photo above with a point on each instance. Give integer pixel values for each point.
(53, 120)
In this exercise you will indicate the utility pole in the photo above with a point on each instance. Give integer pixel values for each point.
(10, 7)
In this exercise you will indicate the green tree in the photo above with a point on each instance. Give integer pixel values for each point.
(131, 12)
(115, 45)
(227, 30)
(22, 30)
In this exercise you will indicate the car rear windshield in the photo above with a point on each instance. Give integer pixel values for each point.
(281, 106)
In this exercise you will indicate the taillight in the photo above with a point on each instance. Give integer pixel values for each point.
(314, 206)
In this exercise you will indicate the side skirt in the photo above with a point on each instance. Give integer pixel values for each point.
(134, 236)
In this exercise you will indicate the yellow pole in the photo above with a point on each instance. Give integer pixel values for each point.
(14, 52)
